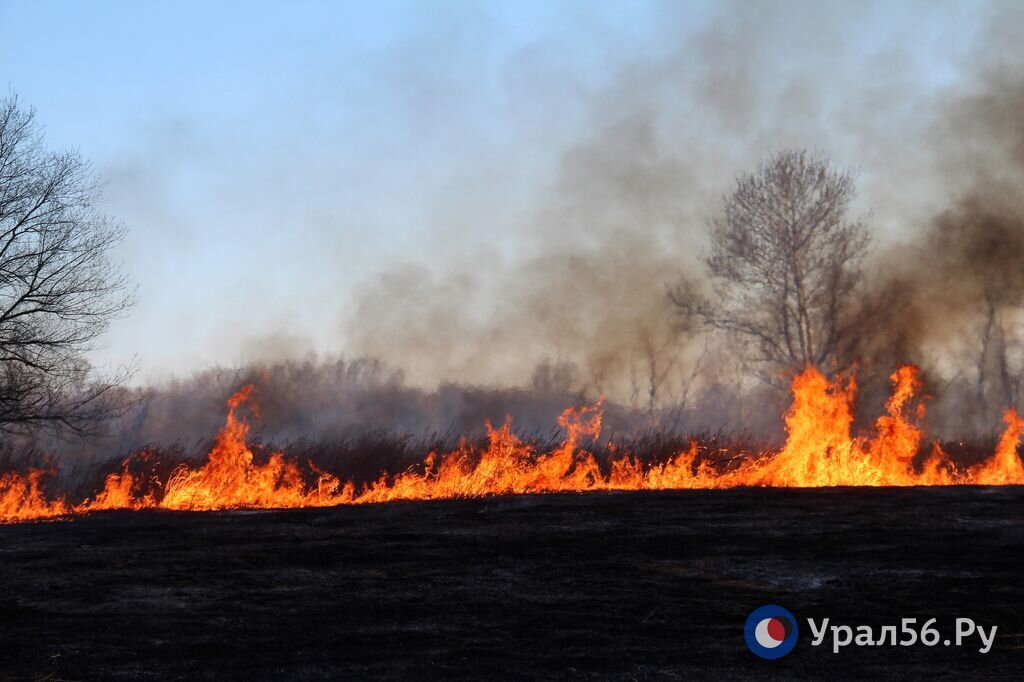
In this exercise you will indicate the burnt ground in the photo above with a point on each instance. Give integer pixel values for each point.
(620, 585)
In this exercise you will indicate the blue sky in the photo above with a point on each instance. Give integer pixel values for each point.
(271, 158)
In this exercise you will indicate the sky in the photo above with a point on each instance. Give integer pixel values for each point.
(271, 159)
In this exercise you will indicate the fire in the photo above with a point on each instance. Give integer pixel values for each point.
(230, 479)
(22, 498)
(820, 450)
(1005, 467)
(507, 466)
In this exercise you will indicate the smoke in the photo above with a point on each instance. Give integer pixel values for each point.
(324, 403)
(545, 279)
(950, 292)
(626, 212)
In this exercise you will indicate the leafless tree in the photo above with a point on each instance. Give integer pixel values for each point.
(785, 264)
(59, 289)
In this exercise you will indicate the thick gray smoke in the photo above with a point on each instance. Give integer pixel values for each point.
(940, 171)
(952, 290)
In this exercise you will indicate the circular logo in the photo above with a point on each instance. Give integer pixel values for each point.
(771, 631)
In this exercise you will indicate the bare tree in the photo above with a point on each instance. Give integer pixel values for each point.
(59, 289)
(786, 263)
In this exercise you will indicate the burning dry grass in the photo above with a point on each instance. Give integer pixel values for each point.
(820, 450)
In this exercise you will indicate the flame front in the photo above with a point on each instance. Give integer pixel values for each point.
(820, 450)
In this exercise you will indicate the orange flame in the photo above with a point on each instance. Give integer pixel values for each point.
(1004, 468)
(22, 498)
(820, 450)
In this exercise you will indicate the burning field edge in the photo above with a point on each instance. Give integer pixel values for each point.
(820, 450)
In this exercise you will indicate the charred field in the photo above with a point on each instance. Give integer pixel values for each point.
(631, 585)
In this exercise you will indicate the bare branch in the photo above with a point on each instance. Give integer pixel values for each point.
(59, 290)
(785, 264)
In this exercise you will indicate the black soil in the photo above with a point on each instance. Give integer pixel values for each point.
(624, 585)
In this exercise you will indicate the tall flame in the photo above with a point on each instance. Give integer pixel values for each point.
(820, 450)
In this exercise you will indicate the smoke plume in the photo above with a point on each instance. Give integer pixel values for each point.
(561, 295)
